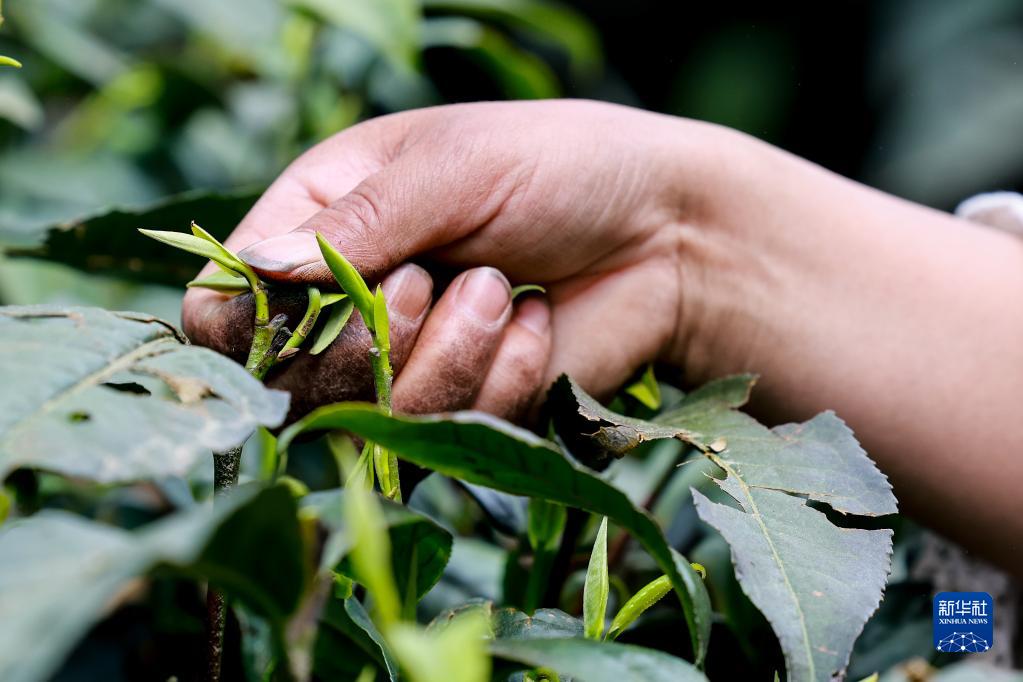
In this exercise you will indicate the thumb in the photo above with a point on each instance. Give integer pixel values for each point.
(419, 202)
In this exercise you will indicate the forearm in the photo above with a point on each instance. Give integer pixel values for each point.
(905, 321)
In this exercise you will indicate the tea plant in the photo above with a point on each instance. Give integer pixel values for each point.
(332, 584)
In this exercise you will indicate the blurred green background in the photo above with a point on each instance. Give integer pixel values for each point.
(122, 102)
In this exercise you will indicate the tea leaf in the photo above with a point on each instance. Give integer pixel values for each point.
(350, 280)
(371, 552)
(8, 61)
(795, 565)
(646, 389)
(405, 527)
(62, 573)
(785, 540)
(546, 522)
(594, 433)
(345, 623)
(118, 396)
(107, 242)
(596, 587)
(331, 297)
(585, 659)
(526, 288)
(239, 266)
(484, 450)
(647, 596)
(800, 570)
(337, 318)
(223, 281)
(508, 623)
(200, 247)
(455, 653)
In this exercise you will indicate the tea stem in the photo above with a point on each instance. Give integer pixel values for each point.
(386, 462)
(268, 338)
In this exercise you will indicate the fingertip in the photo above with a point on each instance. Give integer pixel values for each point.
(534, 314)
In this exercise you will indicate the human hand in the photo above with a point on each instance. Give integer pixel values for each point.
(580, 197)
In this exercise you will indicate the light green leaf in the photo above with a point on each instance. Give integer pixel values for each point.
(349, 279)
(337, 318)
(371, 552)
(591, 661)
(308, 321)
(109, 243)
(237, 264)
(223, 281)
(482, 449)
(646, 390)
(118, 396)
(525, 288)
(454, 653)
(62, 573)
(647, 596)
(406, 529)
(330, 298)
(596, 587)
(7, 61)
(200, 247)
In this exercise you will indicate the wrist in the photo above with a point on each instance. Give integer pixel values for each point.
(732, 238)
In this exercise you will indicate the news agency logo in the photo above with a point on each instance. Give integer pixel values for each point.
(964, 622)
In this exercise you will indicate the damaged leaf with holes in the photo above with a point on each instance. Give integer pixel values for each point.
(118, 396)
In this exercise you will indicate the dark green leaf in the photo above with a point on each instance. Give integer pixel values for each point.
(347, 640)
(545, 525)
(816, 583)
(593, 432)
(590, 661)
(109, 242)
(484, 450)
(62, 573)
(547, 22)
(509, 623)
(118, 396)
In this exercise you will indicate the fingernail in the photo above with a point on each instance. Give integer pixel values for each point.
(408, 291)
(283, 253)
(485, 293)
(534, 315)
